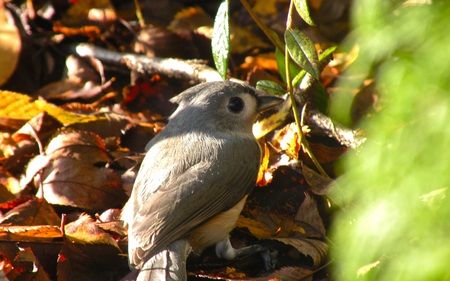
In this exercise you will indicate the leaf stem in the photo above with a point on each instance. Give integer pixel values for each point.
(303, 140)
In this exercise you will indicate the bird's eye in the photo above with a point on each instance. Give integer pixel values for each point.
(235, 104)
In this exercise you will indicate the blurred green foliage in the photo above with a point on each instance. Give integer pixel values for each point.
(397, 222)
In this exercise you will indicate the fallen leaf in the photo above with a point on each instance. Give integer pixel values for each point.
(22, 107)
(89, 253)
(32, 212)
(10, 46)
(33, 269)
(73, 173)
(316, 249)
(39, 233)
(309, 214)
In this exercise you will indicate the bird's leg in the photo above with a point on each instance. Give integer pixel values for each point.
(167, 265)
(225, 250)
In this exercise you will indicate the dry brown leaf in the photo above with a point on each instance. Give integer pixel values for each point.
(41, 126)
(318, 183)
(309, 214)
(244, 39)
(20, 263)
(10, 46)
(111, 125)
(89, 253)
(32, 212)
(78, 183)
(29, 139)
(72, 173)
(316, 249)
(9, 186)
(89, 10)
(86, 231)
(33, 269)
(90, 262)
(267, 226)
(40, 233)
(71, 89)
(324, 153)
(256, 228)
(6, 266)
(191, 18)
(157, 41)
(85, 80)
(288, 273)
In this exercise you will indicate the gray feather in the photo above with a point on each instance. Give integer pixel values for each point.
(203, 163)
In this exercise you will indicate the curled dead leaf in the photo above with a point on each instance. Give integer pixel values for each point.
(86, 231)
(39, 233)
(73, 173)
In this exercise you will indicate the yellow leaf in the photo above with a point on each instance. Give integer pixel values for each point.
(18, 106)
(266, 125)
(10, 46)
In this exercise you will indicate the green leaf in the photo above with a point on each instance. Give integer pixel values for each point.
(298, 78)
(302, 51)
(325, 54)
(270, 87)
(220, 41)
(273, 37)
(303, 11)
(293, 67)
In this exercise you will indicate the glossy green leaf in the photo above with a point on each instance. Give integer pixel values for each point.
(303, 11)
(270, 87)
(302, 51)
(325, 54)
(220, 41)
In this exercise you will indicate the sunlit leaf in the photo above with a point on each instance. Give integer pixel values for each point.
(327, 53)
(270, 87)
(38, 233)
(85, 231)
(302, 51)
(10, 45)
(220, 41)
(19, 106)
(268, 124)
(324, 55)
(303, 11)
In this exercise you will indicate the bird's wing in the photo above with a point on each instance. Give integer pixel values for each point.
(189, 199)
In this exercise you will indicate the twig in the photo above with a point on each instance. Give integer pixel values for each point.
(345, 136)
(188, 70)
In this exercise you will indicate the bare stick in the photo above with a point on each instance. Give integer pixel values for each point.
(190, 70)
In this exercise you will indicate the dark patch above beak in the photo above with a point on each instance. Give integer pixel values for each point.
(267, 102)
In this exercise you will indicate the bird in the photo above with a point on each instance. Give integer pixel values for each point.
(194, 179)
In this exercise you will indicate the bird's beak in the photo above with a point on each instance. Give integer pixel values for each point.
(268, 102)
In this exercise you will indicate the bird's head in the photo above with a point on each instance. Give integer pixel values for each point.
(222, 106)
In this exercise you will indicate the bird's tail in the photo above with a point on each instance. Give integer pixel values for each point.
(167, 265)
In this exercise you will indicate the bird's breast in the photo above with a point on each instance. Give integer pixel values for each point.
(216, 228)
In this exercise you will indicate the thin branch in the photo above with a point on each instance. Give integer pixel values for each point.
(189, 70)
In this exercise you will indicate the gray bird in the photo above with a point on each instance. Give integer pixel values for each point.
(194, 180)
